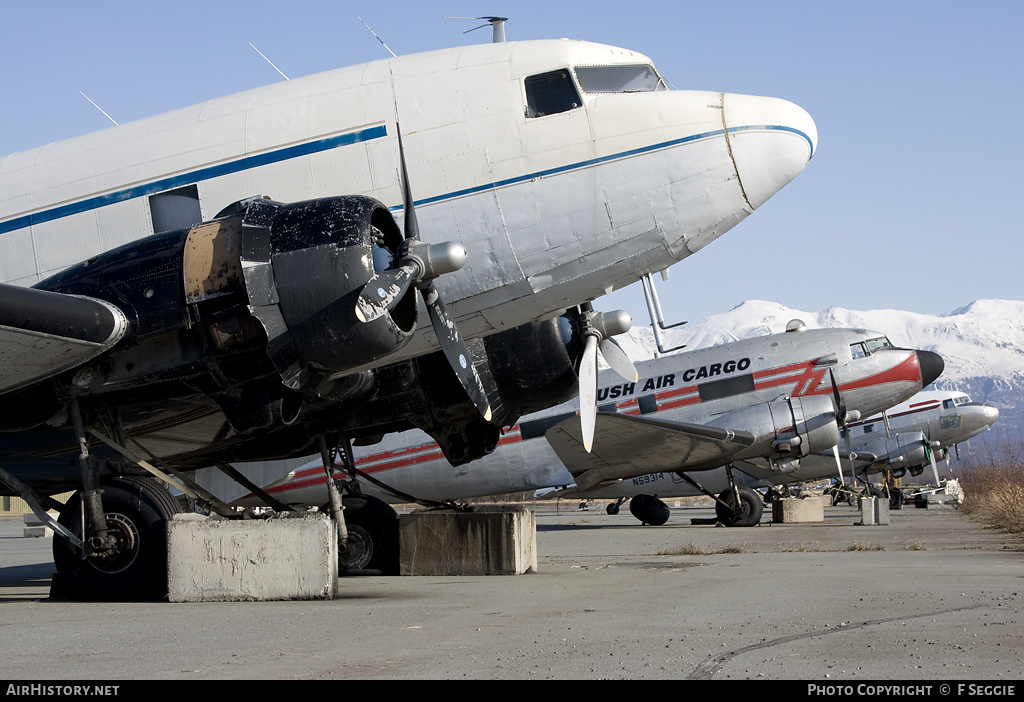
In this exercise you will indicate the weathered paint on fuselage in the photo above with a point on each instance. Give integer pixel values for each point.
(553, 210)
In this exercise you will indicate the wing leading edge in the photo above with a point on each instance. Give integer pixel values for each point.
(44, 333)
(628, 446)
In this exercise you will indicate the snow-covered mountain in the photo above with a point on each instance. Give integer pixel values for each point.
(982, 344)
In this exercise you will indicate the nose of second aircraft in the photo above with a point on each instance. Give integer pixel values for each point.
(931, 365)
(770, 140)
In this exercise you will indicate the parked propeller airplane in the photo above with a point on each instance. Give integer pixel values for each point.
(906, 437)
(779, 397)
(917, 433)
(178, 319)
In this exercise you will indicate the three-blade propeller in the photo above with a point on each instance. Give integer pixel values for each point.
(597, 329)
(418, 264)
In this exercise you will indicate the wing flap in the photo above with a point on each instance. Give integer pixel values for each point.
(626, 446)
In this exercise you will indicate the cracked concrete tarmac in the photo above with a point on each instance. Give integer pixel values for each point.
(930, 597)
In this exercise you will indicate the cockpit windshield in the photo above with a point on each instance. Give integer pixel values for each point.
(619, 79)
(956, 401)
(877, 344)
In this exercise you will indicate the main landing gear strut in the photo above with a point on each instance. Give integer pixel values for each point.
(736, 505)
(112, 543)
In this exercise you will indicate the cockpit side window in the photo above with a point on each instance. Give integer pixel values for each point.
(551, 93)
(857, 351)
(619, 79)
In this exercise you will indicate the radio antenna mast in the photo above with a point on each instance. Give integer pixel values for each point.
(497, 24)
(270, 62)
(97, 107)
(378, 38)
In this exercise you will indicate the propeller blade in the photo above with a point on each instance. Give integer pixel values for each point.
(615, 357)
(455, 351)
(382, 292)
(839, 463)
(837, 398)
(935, 470)
(412, 227)
(447, 333)
(588, 391)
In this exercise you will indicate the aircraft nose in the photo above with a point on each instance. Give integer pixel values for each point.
(991, 414)
(771, 141)
(931, 365)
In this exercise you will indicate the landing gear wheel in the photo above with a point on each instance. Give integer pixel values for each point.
(895, 498)
(137, 510)
(612, 508)
(649, 510)
(372, 537)
(748, 513)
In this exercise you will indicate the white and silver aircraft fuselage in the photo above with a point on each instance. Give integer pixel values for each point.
(565, 168)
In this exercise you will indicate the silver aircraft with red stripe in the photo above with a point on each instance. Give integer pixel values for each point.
(905, 438)
(780, 397)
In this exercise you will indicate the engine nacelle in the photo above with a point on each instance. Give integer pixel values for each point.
(254, 309)
(533, 366)
(786, 429)
(306, 264)
(901, 451)
(524, 369)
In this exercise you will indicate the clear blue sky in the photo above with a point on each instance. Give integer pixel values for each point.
(912, 201)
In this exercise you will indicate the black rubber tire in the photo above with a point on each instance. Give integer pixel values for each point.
(612, 508)
(649, 510)
(895, 498)
(749, 513)
(138, 508)
(373, 537)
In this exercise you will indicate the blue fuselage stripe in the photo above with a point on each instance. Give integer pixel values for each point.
(306, 149)
(611, 157)
(177, 181)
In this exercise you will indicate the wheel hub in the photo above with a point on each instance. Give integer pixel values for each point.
(122, 545)
(358, 549)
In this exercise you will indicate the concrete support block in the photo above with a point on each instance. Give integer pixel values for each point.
(874, 511)
(792, 510)
(34, 527)
(492, 540)
(289, 557)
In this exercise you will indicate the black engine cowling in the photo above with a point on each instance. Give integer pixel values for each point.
(524, 369)
(306, 264)
(254, 309)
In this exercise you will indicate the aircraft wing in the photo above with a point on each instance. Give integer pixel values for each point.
(44, 333)
(627, 446)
